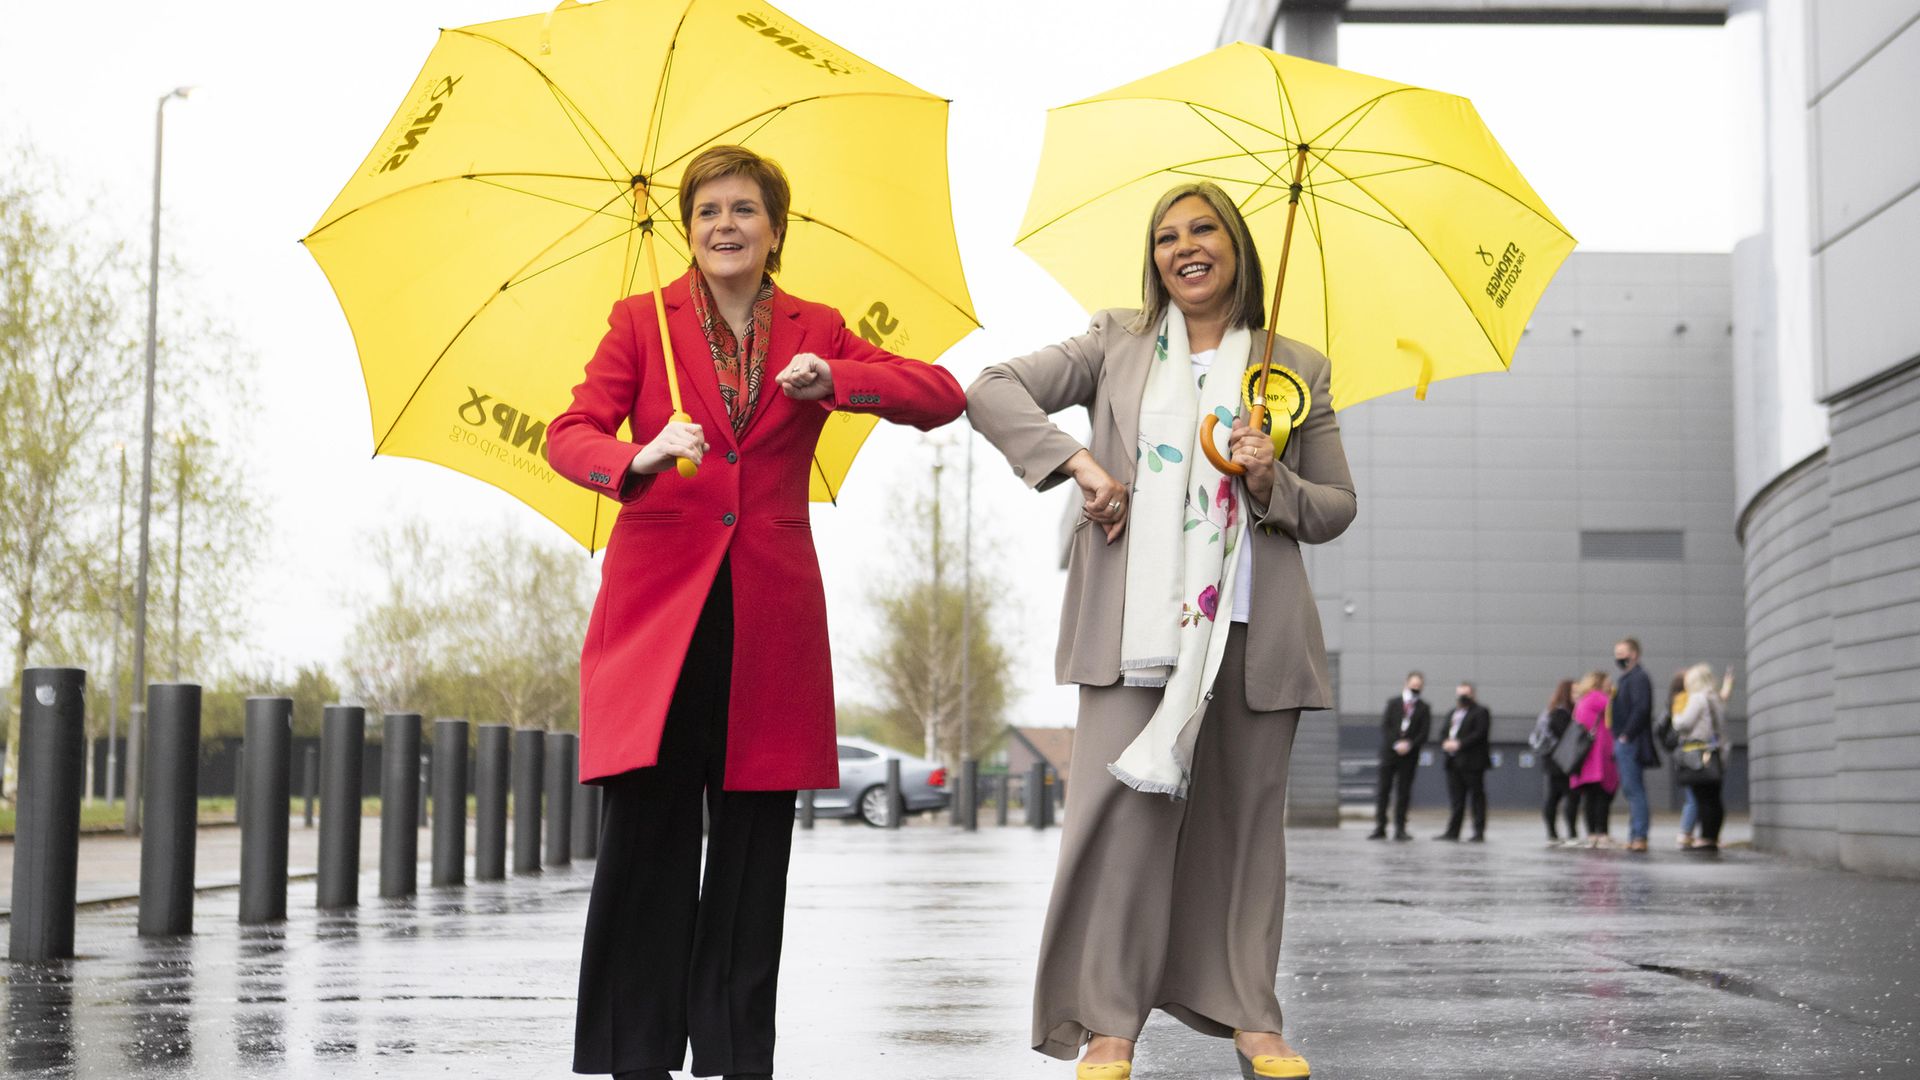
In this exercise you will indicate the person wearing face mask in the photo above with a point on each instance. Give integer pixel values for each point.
(1633, 739)
(1190, 628)
(705, 681)
(1403, 731)
(1469, 728)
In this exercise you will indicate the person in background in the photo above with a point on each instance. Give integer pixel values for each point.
(1594, 783)
(1678, 697)
(1703, 726)
(1547, 732)
(1633, 739)
(1403, 731)
(1469, 729)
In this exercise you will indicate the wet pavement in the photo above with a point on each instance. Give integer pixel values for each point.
(909, 956)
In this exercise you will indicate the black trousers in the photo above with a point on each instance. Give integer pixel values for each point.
(670, 958)
(1713, 811)
(1396, 780)
(1464, 785)
(1598, 804)
(1557, 793)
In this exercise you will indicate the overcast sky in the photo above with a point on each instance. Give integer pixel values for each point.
(1635, 137)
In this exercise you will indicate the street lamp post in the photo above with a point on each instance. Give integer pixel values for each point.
(119, 623)
(137, 711)
(179, 539)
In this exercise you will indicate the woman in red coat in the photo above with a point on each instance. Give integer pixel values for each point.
(705, 673)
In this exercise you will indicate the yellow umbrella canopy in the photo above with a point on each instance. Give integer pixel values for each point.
(1420, 250)
(477, 250)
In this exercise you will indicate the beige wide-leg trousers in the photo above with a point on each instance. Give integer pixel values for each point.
(1167, 904)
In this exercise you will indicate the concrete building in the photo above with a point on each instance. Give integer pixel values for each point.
(1824, 414)
(1827, 303)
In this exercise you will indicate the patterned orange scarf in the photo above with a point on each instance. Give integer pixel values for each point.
(739, 365)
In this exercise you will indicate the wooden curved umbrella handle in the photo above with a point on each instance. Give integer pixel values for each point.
(685, 465)
(1226, 465)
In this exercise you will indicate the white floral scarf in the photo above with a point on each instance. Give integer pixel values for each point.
(1185, 525)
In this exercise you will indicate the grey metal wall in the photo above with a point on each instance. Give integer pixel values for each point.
(1833, 544)
(1791, 755)
(1467, 562)
(1874, 489)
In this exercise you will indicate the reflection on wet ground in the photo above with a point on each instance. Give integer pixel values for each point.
(909, 955)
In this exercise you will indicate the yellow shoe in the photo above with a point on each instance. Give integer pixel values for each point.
(1110, 1070)
(1271, 1065)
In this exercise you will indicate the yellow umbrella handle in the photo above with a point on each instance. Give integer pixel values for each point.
(1221, 461)
(1257, 417)
(686, 467)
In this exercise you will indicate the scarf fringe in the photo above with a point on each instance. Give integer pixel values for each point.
(1173, 790)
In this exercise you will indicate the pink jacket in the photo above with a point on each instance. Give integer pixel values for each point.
(1591, 713)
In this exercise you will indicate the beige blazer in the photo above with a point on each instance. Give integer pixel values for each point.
(1105, 371)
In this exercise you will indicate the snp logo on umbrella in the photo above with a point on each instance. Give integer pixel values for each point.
(424, 112)
(789, 40)
(521, 436)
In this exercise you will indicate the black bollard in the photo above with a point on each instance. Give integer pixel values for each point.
(586, 820)
(1035, 796)
(806, 809)
(896, 805)
(491, 755)
(343, 736)
(449, 801)
(1003, 789)
(529, 767)
(400, 805)
(171, 824)
(263, 812)
(969, 795)
(310, 778)
(46, 844)
(562, 777)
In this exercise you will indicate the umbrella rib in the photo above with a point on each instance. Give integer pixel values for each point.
(1286, 96)
(547, 198)
(772, 111)
(1368, 105)
(1557, 227)
(566, 102)
(1077, 207)
(424, 184)
(647, 146)
(1505, 362)
(1237, 143)
(401, 413)
(1288, 144)
(916, 278)
(832, 497)
(515, 283)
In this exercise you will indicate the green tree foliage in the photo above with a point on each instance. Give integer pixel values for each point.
(72, 339)
(486, 628)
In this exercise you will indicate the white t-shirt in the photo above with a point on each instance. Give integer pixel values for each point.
(1243, 577)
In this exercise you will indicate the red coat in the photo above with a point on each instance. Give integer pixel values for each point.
(749, 498)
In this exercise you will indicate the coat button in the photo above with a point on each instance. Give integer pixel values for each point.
(726, 519)
(732, 457)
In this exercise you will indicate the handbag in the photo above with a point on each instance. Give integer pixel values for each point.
(1572, 750)
(1543, 740)
(1698, 763)
(1663, 733)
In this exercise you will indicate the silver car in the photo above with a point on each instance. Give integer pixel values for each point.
(863, 783)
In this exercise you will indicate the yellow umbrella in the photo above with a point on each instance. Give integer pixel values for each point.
(516, 193)
(1422, 251)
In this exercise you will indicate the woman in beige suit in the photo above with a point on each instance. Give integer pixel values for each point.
(1190, 627)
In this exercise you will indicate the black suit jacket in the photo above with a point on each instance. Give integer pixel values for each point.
(1476, 728)
(1417, 729)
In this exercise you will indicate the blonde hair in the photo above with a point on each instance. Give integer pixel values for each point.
(1700, 679)
(720, 162)
(1248, 306)
(1592, 680)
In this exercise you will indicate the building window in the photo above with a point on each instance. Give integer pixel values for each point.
(1641, 545)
